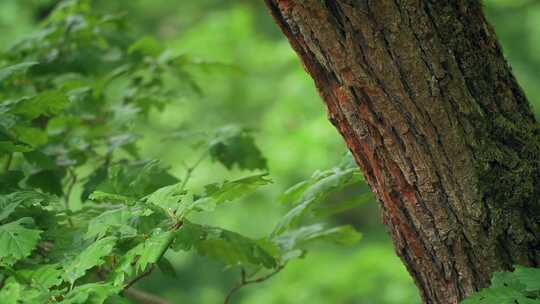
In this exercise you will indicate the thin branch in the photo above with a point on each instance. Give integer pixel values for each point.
(244, 282)
(144, 297)
(190, 169)
(136, 294)
(140, 277)
(8, 162)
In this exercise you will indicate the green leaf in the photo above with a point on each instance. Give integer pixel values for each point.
(91, 256)
(16, 240)
(228, 191)
(9, 202)
(339, 207)
(168, 198)
(506, 279)
(11, 293)
(226, 246)
(520, 286)
(298, 238)
(41, 160)
(117, 219)
(46, 103)
(223, 192)
(7, 72)
(499, 295)
(233, 248)
(7, 206)
(139, 257)
(49, 181)
(293, 217)
(146, 45)
(14, 146)
(103, 197)
(9, 181)
(94, 180)
(188, 236)
(34, 137)
(91, 293)
(321, 184)
(235, 146)
(154, 248)
(167, 267)
(137, 179)
(308, 194)
(125, 140)
(15, 293)
(44, 276)
(530, 277)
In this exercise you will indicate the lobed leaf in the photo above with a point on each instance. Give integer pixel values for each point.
(146, 253)
(137, 179)
(46, 103)
(235, 146)
(227, 191)
(308, 194)
(92, 256)
(26, 204)
(44, 276)
(224, 245)
(529, 277)
(9, 181)
(8, 71)
(168, 198)
(520, 286)
(16, 240)
(119, 219)
(49, 181)
(91, 293)
(299, 238)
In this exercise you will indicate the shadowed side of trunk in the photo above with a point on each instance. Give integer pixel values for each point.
(422, 95)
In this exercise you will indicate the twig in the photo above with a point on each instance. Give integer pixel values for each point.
(244, 282)
(144, 297)
(136, 294)
(190, 169)
(8, 162)
(140, 277)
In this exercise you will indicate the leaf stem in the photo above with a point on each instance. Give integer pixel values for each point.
(190, 169)
(146, 273)
(244, 281)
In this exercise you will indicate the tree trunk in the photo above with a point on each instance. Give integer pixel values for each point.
(426, 102)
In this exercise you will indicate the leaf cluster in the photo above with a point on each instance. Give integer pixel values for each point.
(520, 286)
(65, 124)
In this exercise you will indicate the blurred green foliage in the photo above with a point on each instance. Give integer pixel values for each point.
(247, 73)
(77, 94)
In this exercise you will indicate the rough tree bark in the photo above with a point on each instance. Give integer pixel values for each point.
(426, 102)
